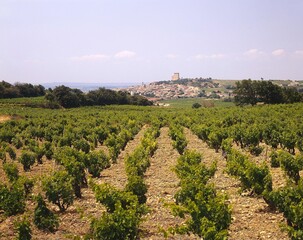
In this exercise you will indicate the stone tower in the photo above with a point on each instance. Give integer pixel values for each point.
(175, 77)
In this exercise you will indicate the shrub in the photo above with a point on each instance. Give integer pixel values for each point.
(76, 170)
(6, 134)
(109, 196)
(48, 150)
(215, 139)
(205, 211)
(26, 184)
(3, 155)
(23, 229)
(291, 165)
(102, 134)
(288, 200)
(190, 168)
(253, 177)
(121, 221)
(226, 146)
(137, 186)
(82, 145)
(59, 190)
(288, 141)
(11, 171)
(44, 218)
(12, 199)
(274, 162)
(39, 151)
(27, 159)
(113, 146)
(202, 131)
(11, 152)
(251, 136)
(96, 162)
(149, 143)
(74, 163)
(179, 140)
(121, 224)
(196, 105)
(16, 141)
(259, 178)
(138, 162)
(255, 150)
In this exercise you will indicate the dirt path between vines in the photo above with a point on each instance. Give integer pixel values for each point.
(4, 118)
(116, 175)
(162, 184)
(250, 216)
(251, 220)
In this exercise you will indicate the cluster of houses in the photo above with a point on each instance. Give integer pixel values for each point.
(159, 91)
(193, 87)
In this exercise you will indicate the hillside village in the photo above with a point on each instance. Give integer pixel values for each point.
(194, 87)
(181, 88)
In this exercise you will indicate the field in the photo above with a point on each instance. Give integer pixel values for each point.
(188, 102)
(152, 172)
(22, 101)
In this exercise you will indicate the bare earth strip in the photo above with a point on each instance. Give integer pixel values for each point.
(4, 118)
(250, 216)
(116, 175)
(162, 185)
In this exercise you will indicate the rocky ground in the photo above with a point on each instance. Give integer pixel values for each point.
(251, 219)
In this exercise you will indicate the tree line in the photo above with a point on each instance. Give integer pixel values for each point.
(8, 90)
(73, 97)
(252, 92)
(70, 97)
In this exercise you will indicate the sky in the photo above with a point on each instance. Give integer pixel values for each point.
(135, 41)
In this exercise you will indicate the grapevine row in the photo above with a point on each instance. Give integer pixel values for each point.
(126, 207)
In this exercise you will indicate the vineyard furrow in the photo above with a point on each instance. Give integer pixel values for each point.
(278, 176)
(162, 184)
(251, 218)
(116, 175)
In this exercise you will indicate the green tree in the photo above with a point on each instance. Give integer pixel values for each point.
(246, 92)
(196, 105)
(68, 97)
(269, 92)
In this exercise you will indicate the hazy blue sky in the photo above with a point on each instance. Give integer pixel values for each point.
(134, 41)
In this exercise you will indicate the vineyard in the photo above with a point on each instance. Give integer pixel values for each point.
(130, 172)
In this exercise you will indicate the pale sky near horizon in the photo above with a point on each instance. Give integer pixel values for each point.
(134, 41)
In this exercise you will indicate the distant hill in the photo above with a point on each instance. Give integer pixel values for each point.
(85, 87)
(196, 87)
